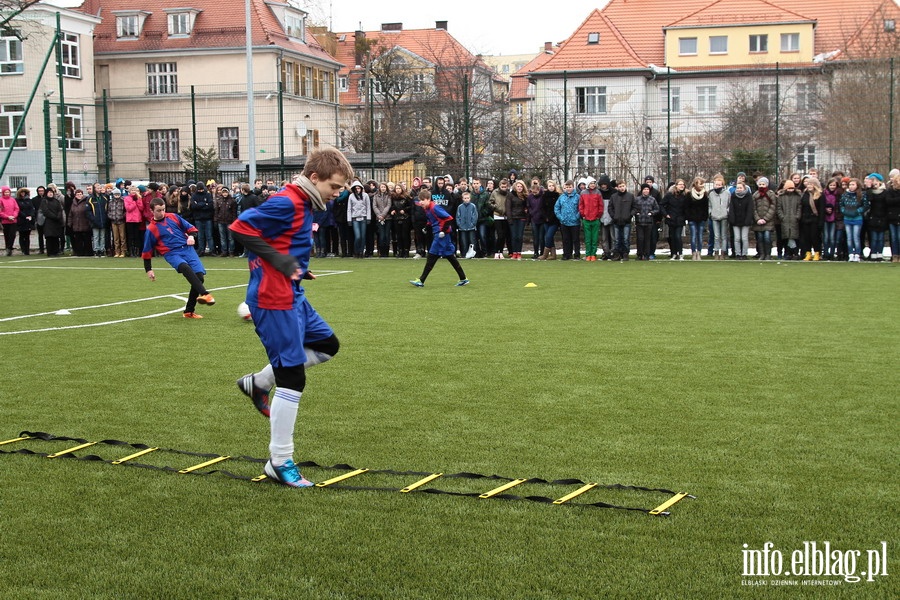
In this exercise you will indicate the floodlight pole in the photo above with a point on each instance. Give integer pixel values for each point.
(251, 126)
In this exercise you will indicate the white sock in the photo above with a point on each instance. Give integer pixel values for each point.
(265, 378)
(282, 416)
(314, 358)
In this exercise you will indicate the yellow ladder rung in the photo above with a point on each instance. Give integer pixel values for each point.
(502, 488)
(75, 449)
(135, 455)
(577, 492)
(18, 439)
(662, 507)
(259, 478)
(341, 477)
(421, 482)
(204, 464)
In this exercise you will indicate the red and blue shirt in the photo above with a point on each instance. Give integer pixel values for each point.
(171, 233)
(284, 221)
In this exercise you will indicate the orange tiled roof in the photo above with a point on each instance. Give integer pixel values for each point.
(219, 25)
(432, 45)
(518, 81)
(632, 31)
(739, 12)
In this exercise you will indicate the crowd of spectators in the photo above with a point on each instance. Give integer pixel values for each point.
(800, 218)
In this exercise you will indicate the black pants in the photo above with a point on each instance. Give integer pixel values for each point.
(432, 260)
(25, 241)
(53, 245)
(9, 234)
(401, 238)
(645, 245)
(571, 242)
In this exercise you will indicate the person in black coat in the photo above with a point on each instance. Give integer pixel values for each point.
(740, 216)
(673, 204)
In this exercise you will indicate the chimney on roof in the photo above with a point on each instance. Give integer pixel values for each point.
(359, 46)
(440, 25)
(392, 26)
(548, 47)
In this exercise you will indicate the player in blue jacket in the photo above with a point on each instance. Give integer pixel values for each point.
(169, 235)
(277, 235)
(440, 222)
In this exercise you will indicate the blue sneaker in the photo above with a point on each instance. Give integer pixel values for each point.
(462, 282)
(288, 474)
(417, 283)
(259, 395)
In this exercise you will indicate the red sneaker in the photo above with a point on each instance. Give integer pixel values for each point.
(191, 315)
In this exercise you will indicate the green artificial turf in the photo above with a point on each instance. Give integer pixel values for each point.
(768, 391)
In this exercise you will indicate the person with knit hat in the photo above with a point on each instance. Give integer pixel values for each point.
(764, 209)
(359, 213)
(875, 219)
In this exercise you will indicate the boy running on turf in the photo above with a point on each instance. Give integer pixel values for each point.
(169, 235)
(442, 246)
(277, 236)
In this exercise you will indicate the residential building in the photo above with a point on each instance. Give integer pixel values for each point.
(670, 88)
(171, 77)
(506, 65)
(35, 156)
(406, 90)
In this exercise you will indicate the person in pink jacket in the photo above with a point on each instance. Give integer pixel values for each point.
(134, 218)
(9, 217)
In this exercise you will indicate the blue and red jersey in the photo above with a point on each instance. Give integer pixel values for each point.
(284, 221)
(171, 233)
(440, 220)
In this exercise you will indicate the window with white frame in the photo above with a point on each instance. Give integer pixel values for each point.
(707, 99)
(520, 109)
(163, 145)
(74, 136)
(768, 96)
(790, 42)
(18, 181)
(11, 57)
(71, 54)
(807, 97)
(229, 146)
(162, 78)
(308, 83)
(418, 83)
(343, 83)
(687, 46)
(180, 24)
(294, 26)
(718, 44)
(806, 157)
(670, 100)
(759, 43)
(10, 117)
(591, 158)
(591, 100)
(127, 26)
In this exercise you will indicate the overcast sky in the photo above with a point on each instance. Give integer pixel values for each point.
(482, 26)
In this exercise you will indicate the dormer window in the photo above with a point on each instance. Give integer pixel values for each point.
(294, 26)
(890, 25)
(129, 23)
(181, 21)
(593, 38)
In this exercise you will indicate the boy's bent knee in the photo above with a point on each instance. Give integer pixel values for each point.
(291, 378)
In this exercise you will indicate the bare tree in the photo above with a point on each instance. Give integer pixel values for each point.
(10, 9)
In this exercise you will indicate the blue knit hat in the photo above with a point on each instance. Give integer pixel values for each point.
(876, 176)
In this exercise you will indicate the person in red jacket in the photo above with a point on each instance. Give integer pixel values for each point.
(590, 206)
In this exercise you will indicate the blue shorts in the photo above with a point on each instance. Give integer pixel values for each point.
(185, 255)
(284, 333)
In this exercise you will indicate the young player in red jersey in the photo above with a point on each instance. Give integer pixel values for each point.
(277, 235)
(169, 235)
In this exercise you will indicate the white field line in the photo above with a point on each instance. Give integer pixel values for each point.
(178, 297)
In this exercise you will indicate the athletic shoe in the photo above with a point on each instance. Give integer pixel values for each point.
(191, 315)
(417, 282)
(260, 396)
(206, 299)
(462, 282)
(288, 474)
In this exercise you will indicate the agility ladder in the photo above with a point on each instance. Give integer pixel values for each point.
(500, 492)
